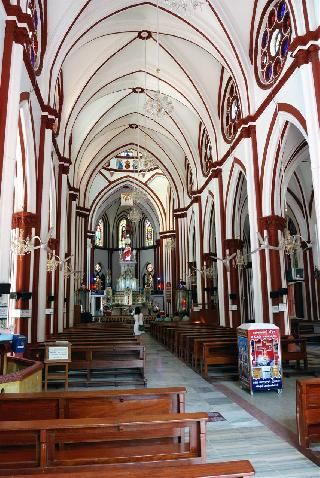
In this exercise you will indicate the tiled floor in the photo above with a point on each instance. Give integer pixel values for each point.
(247, 432)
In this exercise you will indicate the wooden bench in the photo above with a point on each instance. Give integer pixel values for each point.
(116, 357)
(218, 352)
(46, 444)
(308, 411)
(294, 349)
(93, 404)
(227, 469)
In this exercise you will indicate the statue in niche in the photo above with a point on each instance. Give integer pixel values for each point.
(127, 252)
(148, 276)
(99, 279)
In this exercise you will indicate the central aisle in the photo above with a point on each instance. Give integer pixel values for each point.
(240, 436)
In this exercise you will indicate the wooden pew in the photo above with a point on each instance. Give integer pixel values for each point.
(227, 469)
(119, 357)
(46, 444)
(294, 349)
(308, 411)
(219, 352)
(93, 404)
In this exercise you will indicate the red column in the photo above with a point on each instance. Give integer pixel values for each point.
(25, 222)
(273, 224)
(231, 247)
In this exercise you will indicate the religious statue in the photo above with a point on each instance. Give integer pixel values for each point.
(148, 276)
(99, 279)
(127, 253)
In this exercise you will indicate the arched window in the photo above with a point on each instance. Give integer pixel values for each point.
(148, 233)
(99, 239)
(122, 233)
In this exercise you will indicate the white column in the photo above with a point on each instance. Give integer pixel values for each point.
(62, 250)
(42, 288)
(219, 251)
(313, 139)
(253, 221)
(72, 227)
(9, 161)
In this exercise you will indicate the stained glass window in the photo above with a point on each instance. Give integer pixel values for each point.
(99, 238)
(274, 40)
(148, 233)
(231, 111)
(33, 9)
(122, 233)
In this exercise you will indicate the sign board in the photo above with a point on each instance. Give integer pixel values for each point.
(275, 309)
(57, 352)
(21, 313)
(233, 307)
(49, 311)
(282, 307)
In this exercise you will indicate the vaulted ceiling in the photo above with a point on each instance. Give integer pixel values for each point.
(104, 58)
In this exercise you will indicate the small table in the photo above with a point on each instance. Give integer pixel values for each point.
(57, 353)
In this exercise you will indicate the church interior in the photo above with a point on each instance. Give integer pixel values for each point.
(159, 231)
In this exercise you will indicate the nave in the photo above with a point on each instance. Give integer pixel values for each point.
(241, 435)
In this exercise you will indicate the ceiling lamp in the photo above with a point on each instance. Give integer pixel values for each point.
(184, 6)
(157, 105)
(53, 262)
(240, 260)
(135, 215)
(20, 246)
(289, 244)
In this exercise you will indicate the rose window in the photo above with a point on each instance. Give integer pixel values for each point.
(231, 111)
(33, 9)
(274, 42)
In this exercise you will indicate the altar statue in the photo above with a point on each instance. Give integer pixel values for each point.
(127, 253)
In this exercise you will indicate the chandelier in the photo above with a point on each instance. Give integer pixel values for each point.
(170, 244)
(184, 6)
(135, 215)
(289, 244)
(21, 247)
(53, 262)
(157, 105)
(240, 260)
(210, 272)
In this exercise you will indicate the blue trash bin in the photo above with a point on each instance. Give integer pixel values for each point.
(19, 343)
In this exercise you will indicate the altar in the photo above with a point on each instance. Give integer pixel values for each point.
(127, 285)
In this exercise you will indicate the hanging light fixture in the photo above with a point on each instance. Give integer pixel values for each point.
(21, 246)
(289, 244)
(184, 6)
(135, 214)
(158, 104)
(146, 162)
(54, 261)
(240, 260)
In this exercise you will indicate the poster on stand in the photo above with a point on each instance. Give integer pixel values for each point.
(259, 359)
(265, 359)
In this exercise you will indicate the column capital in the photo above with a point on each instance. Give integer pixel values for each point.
(24, 219)
(83, 211)
(273, 222)
(233, 244)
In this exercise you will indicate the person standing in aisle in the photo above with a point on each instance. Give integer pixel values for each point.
(138, 328)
